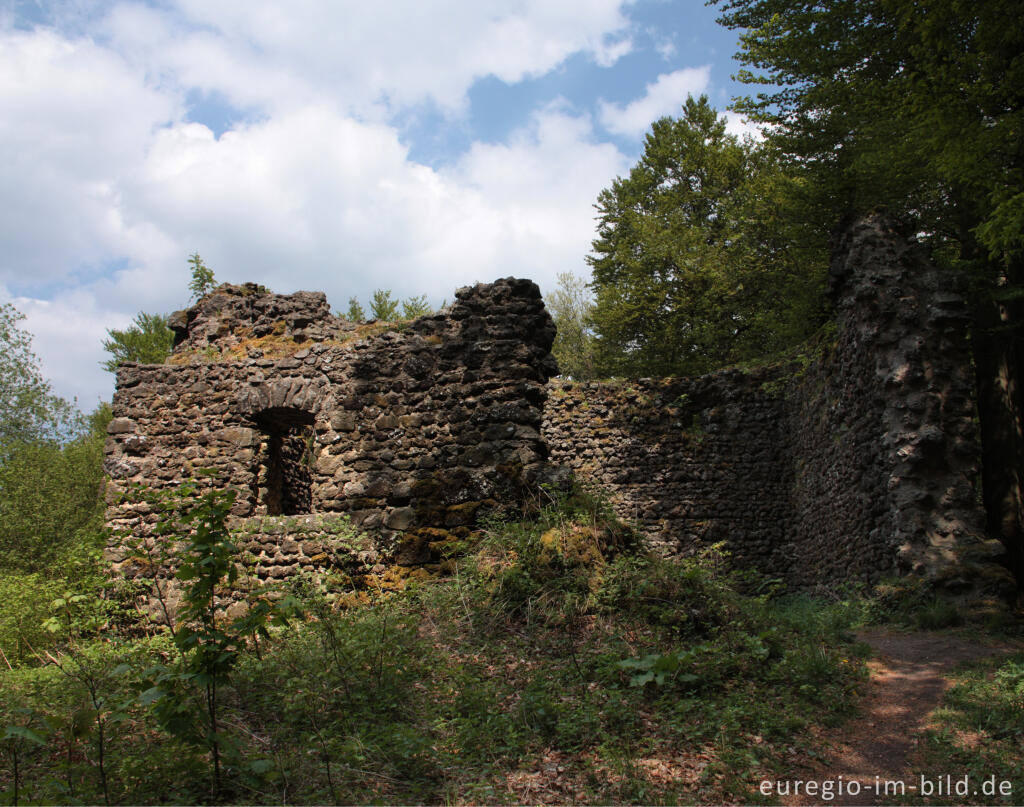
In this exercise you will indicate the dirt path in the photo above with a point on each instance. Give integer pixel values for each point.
(908, 678)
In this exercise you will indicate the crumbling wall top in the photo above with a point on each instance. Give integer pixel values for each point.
(232, 314)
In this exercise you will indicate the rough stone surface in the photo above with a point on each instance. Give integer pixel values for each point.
(410, 431)
(858, 462)
(691, 461)
(854, 461)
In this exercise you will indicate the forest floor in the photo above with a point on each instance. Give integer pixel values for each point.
(909, 674)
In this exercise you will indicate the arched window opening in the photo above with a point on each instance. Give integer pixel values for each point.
(284, 462)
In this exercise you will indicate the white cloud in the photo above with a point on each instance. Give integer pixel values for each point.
(67, 334)
(665, 96)
(741, 127)
(313, 199)
(73, 118)
(399, 53)
(316, 190)
(306, 198)
(666, 49)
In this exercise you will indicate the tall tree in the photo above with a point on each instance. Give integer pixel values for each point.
(28, 408)
(147, 340)
(690, 268)
(571, 305)
(50, 474)
(916, 108)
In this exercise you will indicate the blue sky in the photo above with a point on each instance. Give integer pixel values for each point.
(317, 144)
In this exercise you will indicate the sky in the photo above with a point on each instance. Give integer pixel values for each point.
(325, 145)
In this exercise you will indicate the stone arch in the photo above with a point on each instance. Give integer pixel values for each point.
(283, 473)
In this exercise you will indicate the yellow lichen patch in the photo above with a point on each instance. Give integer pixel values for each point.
(278, 344)
(271, 346)
(352, 599)
(573, 545)
(396, 578)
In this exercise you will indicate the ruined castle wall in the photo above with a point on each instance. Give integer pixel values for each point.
(896, 397)
(853, 461)
(691, 461)
(410, 433)
(856, 461)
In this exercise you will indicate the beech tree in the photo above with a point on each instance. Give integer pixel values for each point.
(916, 109)
(694, 267)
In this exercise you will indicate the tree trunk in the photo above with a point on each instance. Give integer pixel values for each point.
(999, 363)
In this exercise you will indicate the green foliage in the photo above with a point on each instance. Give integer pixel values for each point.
(878, 107)
(147, 340)
(696, 264)
(885, 106)
(27, 602)
(210, 644)
(51, 505)
(355, 311)
(662, 668)
(443, 692)
(413, 307)
(382, 307)
(203, 281)
(25, 732)
(979, 728)
(910, 601)
(571, 306)
(29, 411)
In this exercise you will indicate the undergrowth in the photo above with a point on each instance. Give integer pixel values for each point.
(978, 732)
(556, 663)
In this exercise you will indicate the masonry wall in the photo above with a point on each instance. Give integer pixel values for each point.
(856, 461)
(409, 432)
(691, 461)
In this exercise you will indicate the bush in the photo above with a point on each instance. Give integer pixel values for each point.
(26, 602)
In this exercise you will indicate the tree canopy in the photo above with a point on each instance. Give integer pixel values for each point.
(50, 475)
(571, 306)
(694, 267)
(28, 408)
(887, 103)
(147, 340)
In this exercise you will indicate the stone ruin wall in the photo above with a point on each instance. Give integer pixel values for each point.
(854, 462)
(691, 461)
(407, 431)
